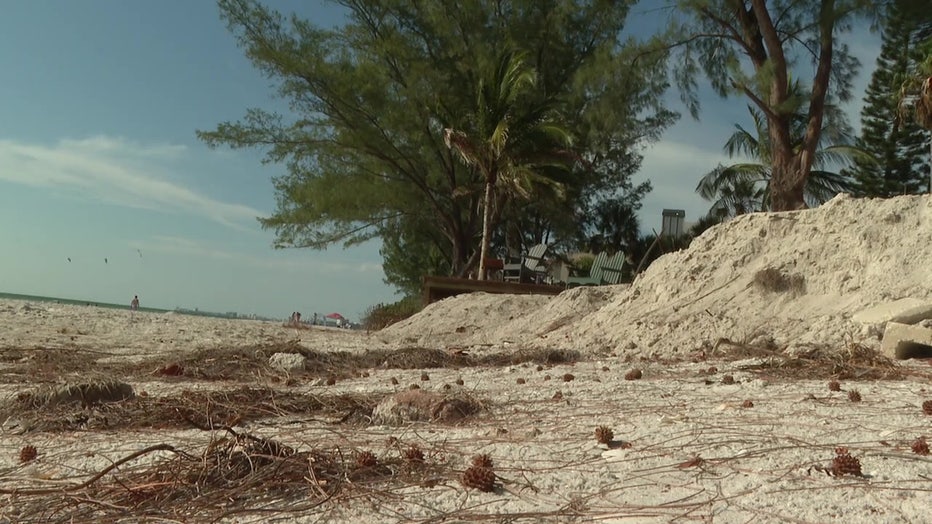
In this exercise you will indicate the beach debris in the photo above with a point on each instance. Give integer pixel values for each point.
(366, 459)
(691, 463)
(747, 404)
(728, 380)
(520, 381)
(920, 446)
(569, 377)
(288, 362)
(844, 464)
(854, 395)
(88, 394)
(425, 377)
(776, 281)
(834, 385)
(478, 477)
(459, 382)
(927, 407)
(171, 370)
(414, 454)
(394, 381)
(557, 396)
(29, 453)
(604, 435)
(417, 405)
(634, 374)
(482, 461)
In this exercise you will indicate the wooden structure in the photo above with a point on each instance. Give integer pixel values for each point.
(436, 288)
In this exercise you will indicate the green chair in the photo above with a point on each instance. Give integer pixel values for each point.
(530, 268)
(611, 270)
(595, 273)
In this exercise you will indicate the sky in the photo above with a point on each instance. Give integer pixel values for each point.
(106, 192)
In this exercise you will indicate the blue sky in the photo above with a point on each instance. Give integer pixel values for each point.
(99, 104)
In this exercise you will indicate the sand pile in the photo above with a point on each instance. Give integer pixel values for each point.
(791, 279)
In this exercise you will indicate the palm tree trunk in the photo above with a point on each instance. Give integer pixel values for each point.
(486, 229)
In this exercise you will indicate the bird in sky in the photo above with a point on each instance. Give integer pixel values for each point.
(105, 260)
(69, 259)
(140, 253)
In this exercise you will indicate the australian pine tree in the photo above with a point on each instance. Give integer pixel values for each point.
(362, 143)
(899, 146)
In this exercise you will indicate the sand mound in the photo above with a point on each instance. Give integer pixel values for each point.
(790, 279)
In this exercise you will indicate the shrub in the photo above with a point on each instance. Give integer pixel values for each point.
(384, 315)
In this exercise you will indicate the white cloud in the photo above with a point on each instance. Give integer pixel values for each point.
(293, 261)
(115, 171)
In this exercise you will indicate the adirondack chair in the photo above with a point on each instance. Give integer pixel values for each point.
(595, 273)
(611, 270)
(531, 267)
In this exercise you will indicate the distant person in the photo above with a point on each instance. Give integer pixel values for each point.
(315, 319)
(297, 318)
(133, 306)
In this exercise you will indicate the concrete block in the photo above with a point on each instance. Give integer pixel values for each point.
(903, 341)
(904, 311)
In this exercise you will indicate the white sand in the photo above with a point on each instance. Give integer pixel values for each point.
(755, 461)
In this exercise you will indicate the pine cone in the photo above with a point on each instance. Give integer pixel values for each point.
(927, 407)
(834, 385)
(28, 454)
(845, 464)
(482, 461)
(366, 459)
(414, 454)
(854, 395)
(479, 478)
(604, 435)
(920, 446)
(634, 374)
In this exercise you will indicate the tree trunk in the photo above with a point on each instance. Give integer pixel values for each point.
(787, 182)
(486, 229)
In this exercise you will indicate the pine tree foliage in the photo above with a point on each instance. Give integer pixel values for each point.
(899, 145)
(363, 142)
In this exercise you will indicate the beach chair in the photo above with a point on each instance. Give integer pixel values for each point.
(530, 268)
(611, 270)
(595, 273)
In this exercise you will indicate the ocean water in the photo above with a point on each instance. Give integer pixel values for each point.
(59, 300)
(76, 302)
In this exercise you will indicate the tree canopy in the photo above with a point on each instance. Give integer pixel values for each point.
(760, 50)
(369, 101)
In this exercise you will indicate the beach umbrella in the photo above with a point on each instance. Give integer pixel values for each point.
(335, 316)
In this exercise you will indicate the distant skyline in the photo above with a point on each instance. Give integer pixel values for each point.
(99, 164)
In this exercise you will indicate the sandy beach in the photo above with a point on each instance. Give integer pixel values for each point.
(709, 377)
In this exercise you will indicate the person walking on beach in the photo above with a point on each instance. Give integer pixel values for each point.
(133, 306)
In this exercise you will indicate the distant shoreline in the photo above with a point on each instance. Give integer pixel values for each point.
(108, 305)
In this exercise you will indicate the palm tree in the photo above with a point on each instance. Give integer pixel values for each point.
(515, 145)
(916, 96)
(745, 187)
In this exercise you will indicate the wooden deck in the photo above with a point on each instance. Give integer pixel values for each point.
(437, 288)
